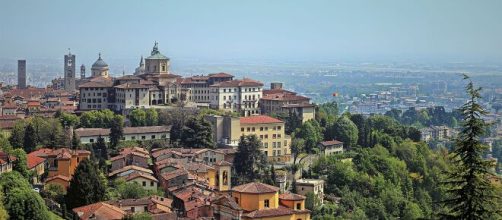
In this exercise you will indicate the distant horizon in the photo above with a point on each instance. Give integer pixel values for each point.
(360, 31)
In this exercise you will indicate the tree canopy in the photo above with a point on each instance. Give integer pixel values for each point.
(86, 186)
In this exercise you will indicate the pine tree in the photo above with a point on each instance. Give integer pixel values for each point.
(471, 194)
(75, 141)
(272, 175)
(86, 186)
(116, 131)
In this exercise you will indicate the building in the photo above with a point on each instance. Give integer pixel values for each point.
(331, 147)
(100, 68)
(100, 210)
(6, 162)
(36, 165)
(91, 135)
(158, 207)
(262, 201)
(240, 96)
(61, 163)
(69, 72)
(144, 180)
(304, 186)
(21, 74)
(130, 156)
(271, 132)
(82, 71)
(226, 130)
(276, 100)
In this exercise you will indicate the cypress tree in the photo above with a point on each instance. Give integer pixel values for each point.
(86, 186)
(471, 195)
(30, 140)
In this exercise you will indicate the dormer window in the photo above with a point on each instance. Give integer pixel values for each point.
(266, 203)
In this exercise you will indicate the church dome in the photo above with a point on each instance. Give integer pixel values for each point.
(99, 64)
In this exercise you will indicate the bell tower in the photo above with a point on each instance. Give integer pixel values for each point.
(69, 72)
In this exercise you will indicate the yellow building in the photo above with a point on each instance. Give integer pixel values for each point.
(262, 201)
(271, 132)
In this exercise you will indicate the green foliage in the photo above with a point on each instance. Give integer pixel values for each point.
(311, 201)
(139, 216)
(311, 132)
(97, 119)
(432, 116)
(3, 211)
(249, 161)
(68, 119)
(30, 140)
(152, 117)
(137, 117)
(343, 130)
(197, 133)
(86, 186)
(20, 201)
(471, 194)
(16, 138)
(54, 192)
(24, 203)
(20, 164)
(116, 131)
(292, 121)
(75, 141)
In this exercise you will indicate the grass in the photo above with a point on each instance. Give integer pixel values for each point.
(53, 216)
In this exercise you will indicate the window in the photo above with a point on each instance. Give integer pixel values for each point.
(237, 200)
(151, 183)
(248, 129)
(91, 140)
(298, 206)
(153, 136)
(132, 209)
(143, 137)
(261, 128)
(267, 203)
(242, 129)
(144, 183)
(133, 138)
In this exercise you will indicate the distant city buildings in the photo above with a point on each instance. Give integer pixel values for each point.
(21, 74)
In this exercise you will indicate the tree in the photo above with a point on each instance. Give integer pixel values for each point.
(3, 211)
(132, 190)
(272, 175)
(152, 117)
(55, 192)
(197, 133)
(249, 160)
(75, 141)
(16, 137)
(86, 186)
(24, 203)
(30, 140)
(11, 180)
(137, 117)
(345, 131)
(311, 201)
(116, 131)
(20, 164)
(310, 131)
(139, 216)
(471, 194)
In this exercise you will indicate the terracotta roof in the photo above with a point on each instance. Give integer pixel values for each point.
(255, 188)
(220, 75)
(131, 86)
(281, 211)
(97, 84)
(65, 178)
(142, 201)
(174, 174)
(332, 142)
(33, 160)
(100, 210)
(135, 175)
(259, 119)
(285, 97)
(237, 83)
(291, 196)
(130, 167)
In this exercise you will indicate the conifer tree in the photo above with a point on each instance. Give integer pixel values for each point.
(86, 186)
(471, 195)
(30, 140)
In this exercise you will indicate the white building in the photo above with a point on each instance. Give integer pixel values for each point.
(237, 96)
(91, 135)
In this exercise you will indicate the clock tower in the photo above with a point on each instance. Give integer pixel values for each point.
(69, 72)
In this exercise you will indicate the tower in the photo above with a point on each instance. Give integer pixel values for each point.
(69, 72)
(82, 72)
(21, 74)
(157, 63)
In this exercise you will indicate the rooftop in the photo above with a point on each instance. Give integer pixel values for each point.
(255, 188)
(259, 119)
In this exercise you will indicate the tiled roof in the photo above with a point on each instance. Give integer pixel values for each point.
(130, 167)
(220, 75)
(259, 119)
(332, 142)
(97, 84)
(65, 178)
(100, 210)
(135, 175)
(237, 82)
(291, 196)
(266, 213)
(284, 97)
(174, 174)
(66, 153)
(255, 188)
(33, 160)
(142, 201)
(131, 86)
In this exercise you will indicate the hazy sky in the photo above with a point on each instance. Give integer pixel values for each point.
(451, 30)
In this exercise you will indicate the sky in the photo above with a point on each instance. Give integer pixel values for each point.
(372, 30)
